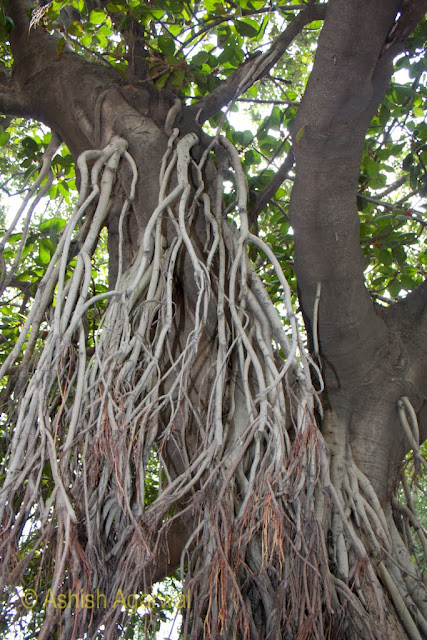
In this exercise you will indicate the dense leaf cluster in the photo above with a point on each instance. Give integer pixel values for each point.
(192, 47)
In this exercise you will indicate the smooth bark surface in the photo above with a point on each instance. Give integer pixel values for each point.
(358, 350)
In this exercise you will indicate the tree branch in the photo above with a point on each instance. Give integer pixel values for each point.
(347, 83)
(265, 196)
(284, 7)
(411, 313)
(256, 68)
(60, 90)
(358, 350)
(412, 13)
(408, 318)
(394, 206)
(12, 100)
(267, 101)
(392, 187)
(19, 11)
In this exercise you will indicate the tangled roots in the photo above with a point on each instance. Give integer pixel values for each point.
(204, 383)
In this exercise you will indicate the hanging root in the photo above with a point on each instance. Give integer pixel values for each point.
(199, 375)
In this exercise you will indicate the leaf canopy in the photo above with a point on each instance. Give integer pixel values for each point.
(192, 47)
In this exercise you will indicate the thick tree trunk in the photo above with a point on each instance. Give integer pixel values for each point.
(358, 354)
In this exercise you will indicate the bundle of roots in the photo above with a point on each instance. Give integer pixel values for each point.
(217, 398)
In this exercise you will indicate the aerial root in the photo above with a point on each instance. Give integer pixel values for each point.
(234, 413)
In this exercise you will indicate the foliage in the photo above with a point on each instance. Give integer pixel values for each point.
(191, 48)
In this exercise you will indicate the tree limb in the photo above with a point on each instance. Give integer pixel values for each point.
(265, 196)
(411, 312)
(394, 206)
(409, 318)
(392, 187)
(256, 68)
(19, 11)
(347, 82)
(412, 13)
(358, 350)
(252, 12)
(44, 82)
(12, 100)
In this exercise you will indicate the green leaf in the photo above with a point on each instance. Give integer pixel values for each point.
(226, 55)
(387, 216)
(178, 78)
(166, 45)
(15, 237)
(275, 118)
(30, 145)
(252, 92)
(200, 58)
(4, 138)
(60, 46)
(54, 223)
(63, 189)
(86, 40)
(44, 253)
(247, 137)
(407, 162)
(407, 282)
(96, 16)
(105, 30)
(247, 28)
(371, 167)
(75, 29)
(384, 114)
(53, 192)
(114, 7)
(252, 157)
(161, 82)
(385, 257)
(214, 6)
(394, 288)
(25, 276)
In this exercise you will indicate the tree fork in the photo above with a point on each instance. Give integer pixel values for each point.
(287, 532)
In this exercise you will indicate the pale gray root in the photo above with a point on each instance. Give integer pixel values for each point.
(286, 537)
